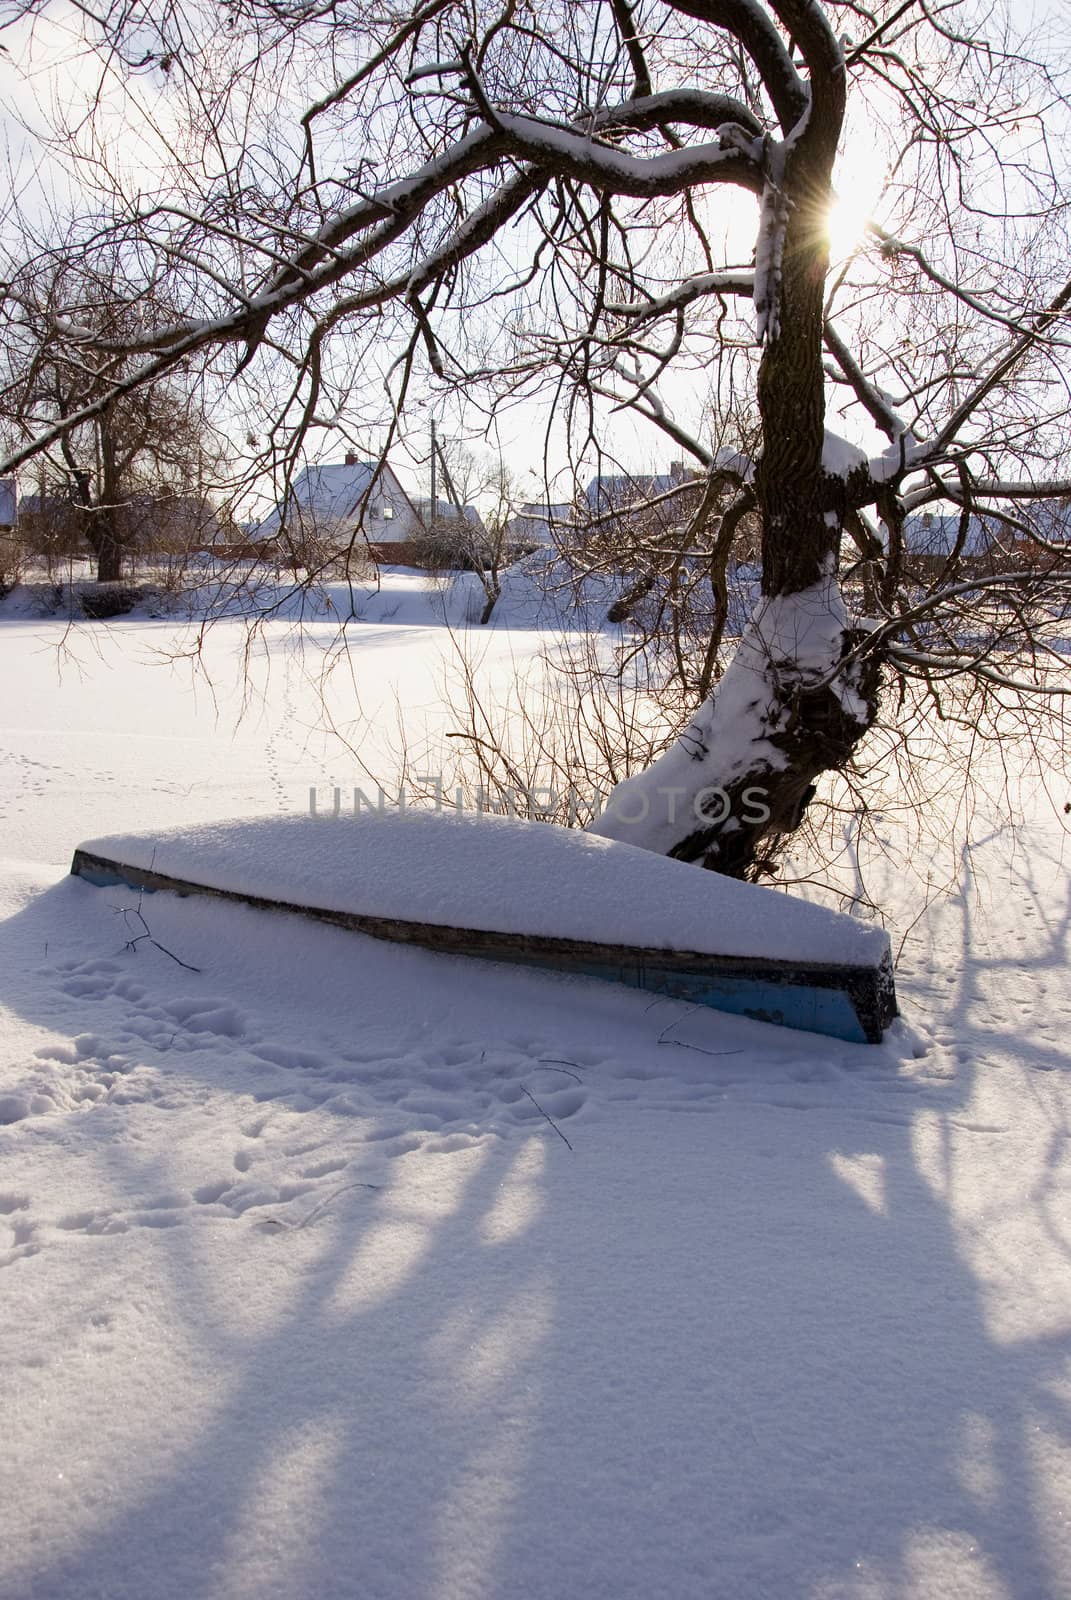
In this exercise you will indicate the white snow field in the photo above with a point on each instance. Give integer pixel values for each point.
(339, 1270)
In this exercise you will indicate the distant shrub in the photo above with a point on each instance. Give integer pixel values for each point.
(101, 601)
(10, 566)
(450, 547)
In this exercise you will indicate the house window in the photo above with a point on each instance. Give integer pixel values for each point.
(388, 513)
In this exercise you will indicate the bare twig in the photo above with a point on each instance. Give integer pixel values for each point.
(133, 943)
(546, 1114)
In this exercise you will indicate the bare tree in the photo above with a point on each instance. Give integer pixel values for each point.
(461, 535)
(139, 470)
(507, 197)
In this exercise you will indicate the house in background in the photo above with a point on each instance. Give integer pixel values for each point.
(640, 518)
(612, 503)
(362, 503)
(9, 555)
(9, 504)
(933, 536)
(1051, 520)
(540, 524)
(624, 497)
(991, 544)
(447, 514)
(328, 505)
(52, 524)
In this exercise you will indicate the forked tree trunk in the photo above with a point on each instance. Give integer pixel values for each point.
(798, 695)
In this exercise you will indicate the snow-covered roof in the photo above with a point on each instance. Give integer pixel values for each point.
(615, 491)
(935, 534)
(1049, 518)
(547, 510)
(324, 493)
(35, 505)
(536, 519)
(447, 511)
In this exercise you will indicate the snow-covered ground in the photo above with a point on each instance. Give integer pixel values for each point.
(335, 1269)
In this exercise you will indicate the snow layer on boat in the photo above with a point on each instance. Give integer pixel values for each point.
(500, 874)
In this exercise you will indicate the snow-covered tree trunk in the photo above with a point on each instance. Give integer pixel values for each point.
(796, 698)
(792, 704)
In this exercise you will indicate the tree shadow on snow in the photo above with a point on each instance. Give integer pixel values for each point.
(751, 1335)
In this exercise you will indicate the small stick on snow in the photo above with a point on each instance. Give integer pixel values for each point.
(683, 1043)
(561, 1066)
(546, 1114)
(132, 944)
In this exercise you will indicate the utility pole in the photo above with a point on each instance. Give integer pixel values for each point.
(434, 480)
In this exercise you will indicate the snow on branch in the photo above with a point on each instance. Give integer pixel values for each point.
(770, 248)
(988, 489)
(169, 346)
(739, 281)
(405, 198)
(933, 664)
(379, 219)
(605, 167)
(698, 108)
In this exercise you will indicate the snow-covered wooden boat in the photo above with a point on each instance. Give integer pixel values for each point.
(528, 893)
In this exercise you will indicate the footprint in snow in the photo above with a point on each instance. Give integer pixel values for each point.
(202, 1014)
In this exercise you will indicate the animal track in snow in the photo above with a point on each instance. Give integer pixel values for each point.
(17, 1230)
(203, 1014)
(22, 1243)
(222, 1199)
(288, 1056)
(423, 1088)
(324, 1169)
(73, 1075)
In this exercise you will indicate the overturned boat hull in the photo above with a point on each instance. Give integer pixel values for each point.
(854, 1003)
